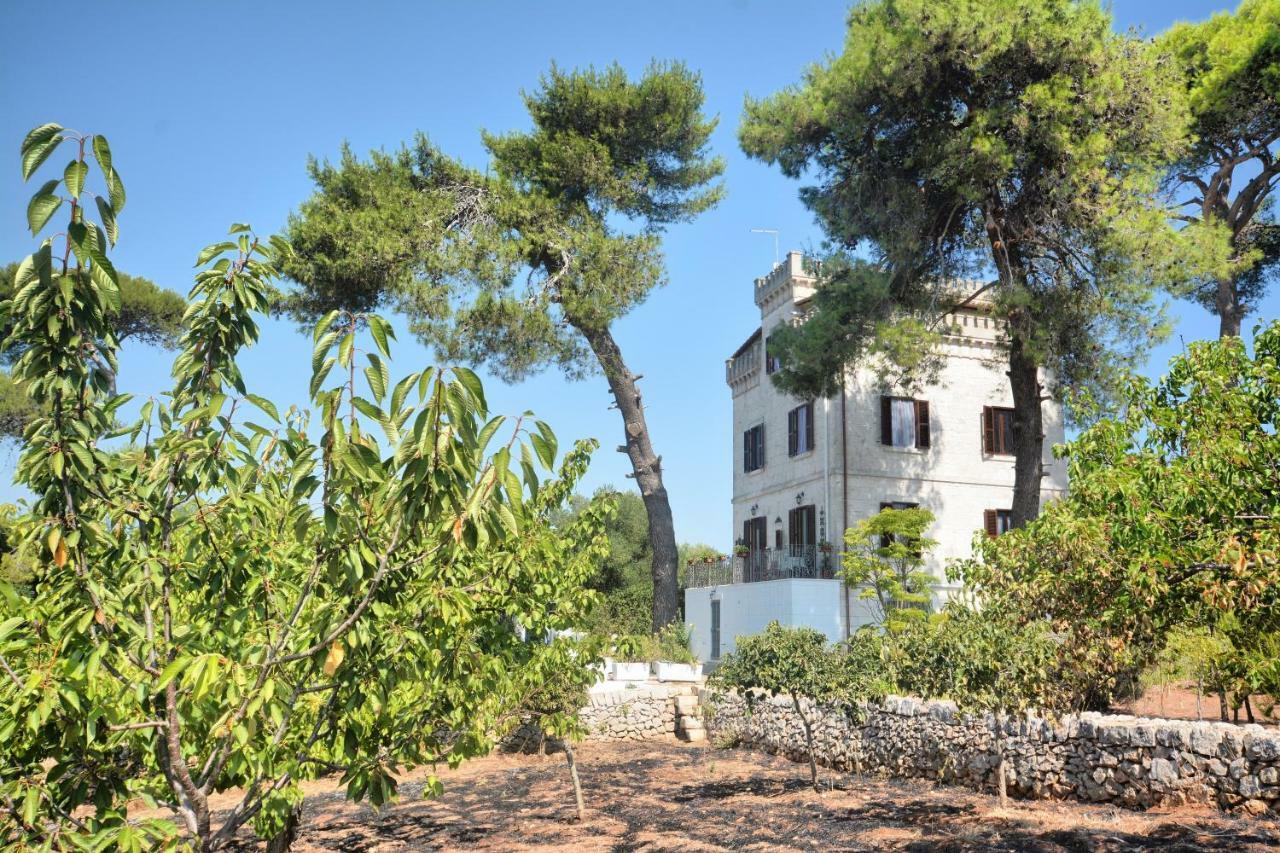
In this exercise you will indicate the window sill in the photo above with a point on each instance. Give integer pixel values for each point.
(893, 449)
(802, 454)
(986, 455)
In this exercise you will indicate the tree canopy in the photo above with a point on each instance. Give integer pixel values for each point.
(525, 265)
(1224, 179)
(954, 138)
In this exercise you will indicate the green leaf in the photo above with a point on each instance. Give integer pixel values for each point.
(73, 177)
(108, 217)
(380, 330)
(102, 153)
(238, 227)
(265, 405)
(473, 385)
(115, 189)
(211, 251)
(36, 148)
(323, 326)
(42, 206)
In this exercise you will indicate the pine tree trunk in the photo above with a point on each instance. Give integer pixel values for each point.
(573, 774)
(1226, 304)
(1028, 432)
(646, 467)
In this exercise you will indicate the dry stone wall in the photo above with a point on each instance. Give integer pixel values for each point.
(1124, 760)
(630, 715)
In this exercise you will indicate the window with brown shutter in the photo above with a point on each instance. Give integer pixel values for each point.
(997, 430)
(997, 521)
(886, 539)
(753, 448)
(801, 526)
(904, 422)
(800, 430)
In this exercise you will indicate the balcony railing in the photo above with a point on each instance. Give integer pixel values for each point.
(794, 561)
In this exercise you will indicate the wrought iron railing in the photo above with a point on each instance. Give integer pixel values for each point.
(793, 561)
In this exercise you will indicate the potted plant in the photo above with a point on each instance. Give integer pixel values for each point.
(740, 548)
(633, 658)
(675, 661)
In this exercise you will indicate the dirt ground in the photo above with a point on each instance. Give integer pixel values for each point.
(1178, 702)
(667, 795)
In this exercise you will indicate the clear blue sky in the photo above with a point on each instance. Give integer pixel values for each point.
(212, 109)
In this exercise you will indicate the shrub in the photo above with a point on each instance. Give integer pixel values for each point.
(800, 663)
(884, 557)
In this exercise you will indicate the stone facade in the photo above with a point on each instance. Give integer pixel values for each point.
(1128, 761)
(848, 473)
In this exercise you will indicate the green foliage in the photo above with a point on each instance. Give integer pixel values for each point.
(147, 313)
(801, 664)
(669, 644)
(525, 265)
(1170, 522)
(1231, 67)
(236, 604)
(885, 557)
(490, 265)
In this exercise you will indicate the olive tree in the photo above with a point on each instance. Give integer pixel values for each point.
(245, 601)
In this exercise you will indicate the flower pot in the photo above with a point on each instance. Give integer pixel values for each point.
(625, 670)
(667, 670)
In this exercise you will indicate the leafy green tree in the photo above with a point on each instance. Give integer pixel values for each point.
(526, 265)
(147, 313)
(984, 661)
(956, 138)
(1231, 65)
(1170, 523)
(239, 606)
(801, 664)
(884, 558)
(558, 689)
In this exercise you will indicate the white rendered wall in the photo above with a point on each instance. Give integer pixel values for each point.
(747, 608)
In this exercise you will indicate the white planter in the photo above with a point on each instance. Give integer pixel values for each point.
(624, 670)
(668, 671)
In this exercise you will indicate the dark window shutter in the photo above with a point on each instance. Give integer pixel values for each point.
(990, 520)
(810, 527)
(988, 430)
(886, 420)
(746, 450)
(792, 417)
(760, 446)
(808, 426)
(922, 423)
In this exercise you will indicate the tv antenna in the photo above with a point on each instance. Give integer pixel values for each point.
(774, 232)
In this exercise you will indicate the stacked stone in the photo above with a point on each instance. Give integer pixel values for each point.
(689, 725)
(1117, 759)
(616, 716)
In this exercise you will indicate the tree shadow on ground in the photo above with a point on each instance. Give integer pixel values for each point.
(669, 796)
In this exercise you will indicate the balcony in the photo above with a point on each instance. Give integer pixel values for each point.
(793, 561)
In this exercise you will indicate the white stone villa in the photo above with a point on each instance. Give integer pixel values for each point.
(804, 470)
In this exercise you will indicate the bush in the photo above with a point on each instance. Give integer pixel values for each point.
(800, 663)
